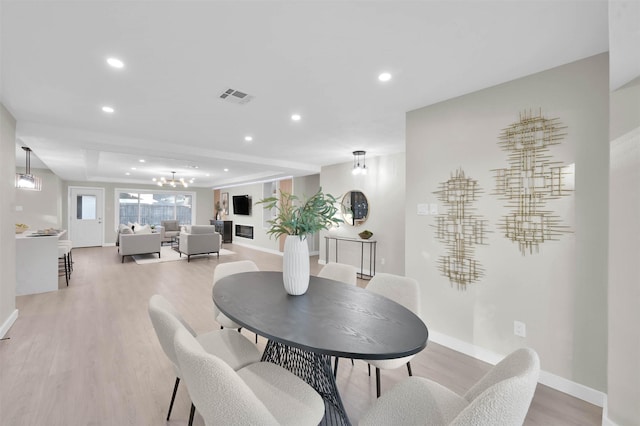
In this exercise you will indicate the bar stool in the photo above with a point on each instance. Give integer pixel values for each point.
(64, 252)
(70, 245)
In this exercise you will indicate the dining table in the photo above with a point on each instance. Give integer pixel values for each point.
(331, 319)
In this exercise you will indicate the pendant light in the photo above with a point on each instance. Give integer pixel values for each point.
(27, 180)
(359, 163)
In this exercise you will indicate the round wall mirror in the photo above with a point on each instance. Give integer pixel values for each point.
(355, 208)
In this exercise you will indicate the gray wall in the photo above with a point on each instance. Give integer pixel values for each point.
(204, 203)
(384, 187)
(302, 186)
(559, 293)
(624, 257)
(41, 209)
(7, 218)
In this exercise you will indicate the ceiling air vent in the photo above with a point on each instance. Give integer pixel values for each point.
(235, 96)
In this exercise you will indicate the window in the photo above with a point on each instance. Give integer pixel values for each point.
(86, 207)
(146, 207)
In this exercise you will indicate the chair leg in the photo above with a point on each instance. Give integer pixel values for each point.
(173, 397)
(409, 368)
(256, 338)
(191, 414)
(335, 368)
(352, 363)
(67, 272)
(369, 369)
(378, 382)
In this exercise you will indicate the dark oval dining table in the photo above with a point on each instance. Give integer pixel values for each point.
(330, 319)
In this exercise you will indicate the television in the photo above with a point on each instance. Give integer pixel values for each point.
(242, 205)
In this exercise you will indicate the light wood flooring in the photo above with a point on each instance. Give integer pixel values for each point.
(88, 355)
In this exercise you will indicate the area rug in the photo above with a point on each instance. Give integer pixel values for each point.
(167, 254)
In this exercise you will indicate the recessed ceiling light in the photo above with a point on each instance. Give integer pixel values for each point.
(141, 160)
(154, 179)
(133, 168)
(108, 109)
(296, 117)
(385, 76)
(207, 175)
(226, 170)
(127, 173)
(115, 62)
(248, 138)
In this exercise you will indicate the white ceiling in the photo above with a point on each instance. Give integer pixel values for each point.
(318, 58)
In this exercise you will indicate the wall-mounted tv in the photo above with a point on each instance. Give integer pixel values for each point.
(242, 205)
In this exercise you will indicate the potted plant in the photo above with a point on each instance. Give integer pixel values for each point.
(297, 218)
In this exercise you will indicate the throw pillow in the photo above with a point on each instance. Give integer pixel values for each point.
(142, 229)
(126, 230)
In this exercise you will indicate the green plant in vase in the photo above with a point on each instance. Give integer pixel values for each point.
(297, 218)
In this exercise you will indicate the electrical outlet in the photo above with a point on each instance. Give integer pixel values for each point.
(519, 329)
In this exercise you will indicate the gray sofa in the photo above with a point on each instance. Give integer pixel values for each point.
(130, 244)
(199, 239)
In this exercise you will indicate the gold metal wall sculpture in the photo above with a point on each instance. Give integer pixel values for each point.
(460, 229)
(531, 180)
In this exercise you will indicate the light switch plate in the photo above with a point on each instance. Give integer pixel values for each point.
(423, 209)
(433, 208)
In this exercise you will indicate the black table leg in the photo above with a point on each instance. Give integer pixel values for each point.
(315, 369)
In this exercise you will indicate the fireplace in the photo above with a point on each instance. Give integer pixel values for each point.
(244, 231)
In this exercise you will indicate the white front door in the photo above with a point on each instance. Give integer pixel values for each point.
(86, 211)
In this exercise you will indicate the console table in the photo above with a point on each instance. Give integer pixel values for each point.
(362, 242)
(224, 228)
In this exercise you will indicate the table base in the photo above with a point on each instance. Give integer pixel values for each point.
(315, 369)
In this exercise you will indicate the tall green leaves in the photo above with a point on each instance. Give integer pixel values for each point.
(301, 217)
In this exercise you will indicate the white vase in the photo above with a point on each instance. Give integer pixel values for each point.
(295, 265)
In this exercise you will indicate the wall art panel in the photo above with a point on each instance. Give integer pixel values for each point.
(531, 180)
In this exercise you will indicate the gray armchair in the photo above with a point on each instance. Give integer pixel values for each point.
(199, 239)
(169, 229)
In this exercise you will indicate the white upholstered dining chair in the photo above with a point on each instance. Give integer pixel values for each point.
(261, 393)
(224, 270)
(231, 347)
(340, 272)
(502, 397)
(406, 292)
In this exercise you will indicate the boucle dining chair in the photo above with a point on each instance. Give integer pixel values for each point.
(406, 292)
(502, 397)
(224, 270)
(261, 393)
(231, 347)
(340, 272)
(344, 273)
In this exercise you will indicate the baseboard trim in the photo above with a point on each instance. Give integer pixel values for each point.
(606, 421)
(556, 382)
(8, 323)
(251, 246)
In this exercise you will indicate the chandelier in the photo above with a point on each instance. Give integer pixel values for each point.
(27, 180)
(173, 182)
(358, 168)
